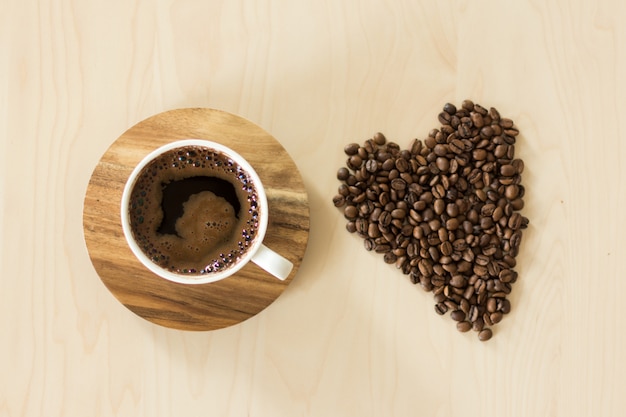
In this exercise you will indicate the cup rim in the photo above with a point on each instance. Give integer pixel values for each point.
(208, 277)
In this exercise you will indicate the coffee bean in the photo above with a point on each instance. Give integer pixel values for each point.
(506, 123)
(390, 258)
(485, 335)
(412, 250)
(477, 119)
(496, 317)
(480, 109)
(433, 253)
(373, 230)
(464, 326)
(446, 248)
(486, 132)
(379, 138)
(444, 118)
(402, 164)
(518, 204)
(439, 150)
(486, 222)
(434, 226)
(516, 240)
(468, 105)
(439, 191)
(452, 224)
(452, 210)
(351, 149)
(487, 319)
(439, 206)
(355, 161)
(384, 198)
(359, 198)
(388, 165)
(478, 324)
(507, 170)
(343, 173)
(457, 315)
(458, 281)
(487, 210)
(494, 114)
(457, 146)
(515, 221)
(460, 130)
(498, 212)
(350, 212)
(506, 275)
(511, 131)
(382, 248)
(425, 267)
(500, 151)
(449, 108)
(371, 165)
(384, 220)
(416, 147)
(464, 304)
(398, 213)
(443, 164)
(354, 190)
(511, 192)
(398, 184)
(482, 260)
(479, 155)
(506, 306)
(441, 308)
(361, 226)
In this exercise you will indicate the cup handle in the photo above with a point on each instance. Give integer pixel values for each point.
(272, 262)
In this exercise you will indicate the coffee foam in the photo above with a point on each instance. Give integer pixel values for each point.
(207, 223)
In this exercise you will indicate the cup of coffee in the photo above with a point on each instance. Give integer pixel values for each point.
(195, 211)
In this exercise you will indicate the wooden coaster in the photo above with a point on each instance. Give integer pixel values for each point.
(199, 306)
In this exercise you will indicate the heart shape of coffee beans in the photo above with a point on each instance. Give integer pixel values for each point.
(445, 211)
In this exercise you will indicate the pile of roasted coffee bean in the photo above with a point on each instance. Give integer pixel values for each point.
(444, 211)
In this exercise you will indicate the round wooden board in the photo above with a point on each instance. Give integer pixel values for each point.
(198, 306)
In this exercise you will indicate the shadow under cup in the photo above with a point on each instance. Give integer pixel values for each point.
(194, 211)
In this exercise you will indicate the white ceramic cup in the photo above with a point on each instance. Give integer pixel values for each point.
(258, 253)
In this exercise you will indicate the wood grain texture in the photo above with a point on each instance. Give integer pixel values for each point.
(207, 306)
(349, 336)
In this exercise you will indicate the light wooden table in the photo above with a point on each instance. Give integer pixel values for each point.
(350, 336)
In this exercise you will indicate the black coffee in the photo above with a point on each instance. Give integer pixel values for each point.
(194, 211)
